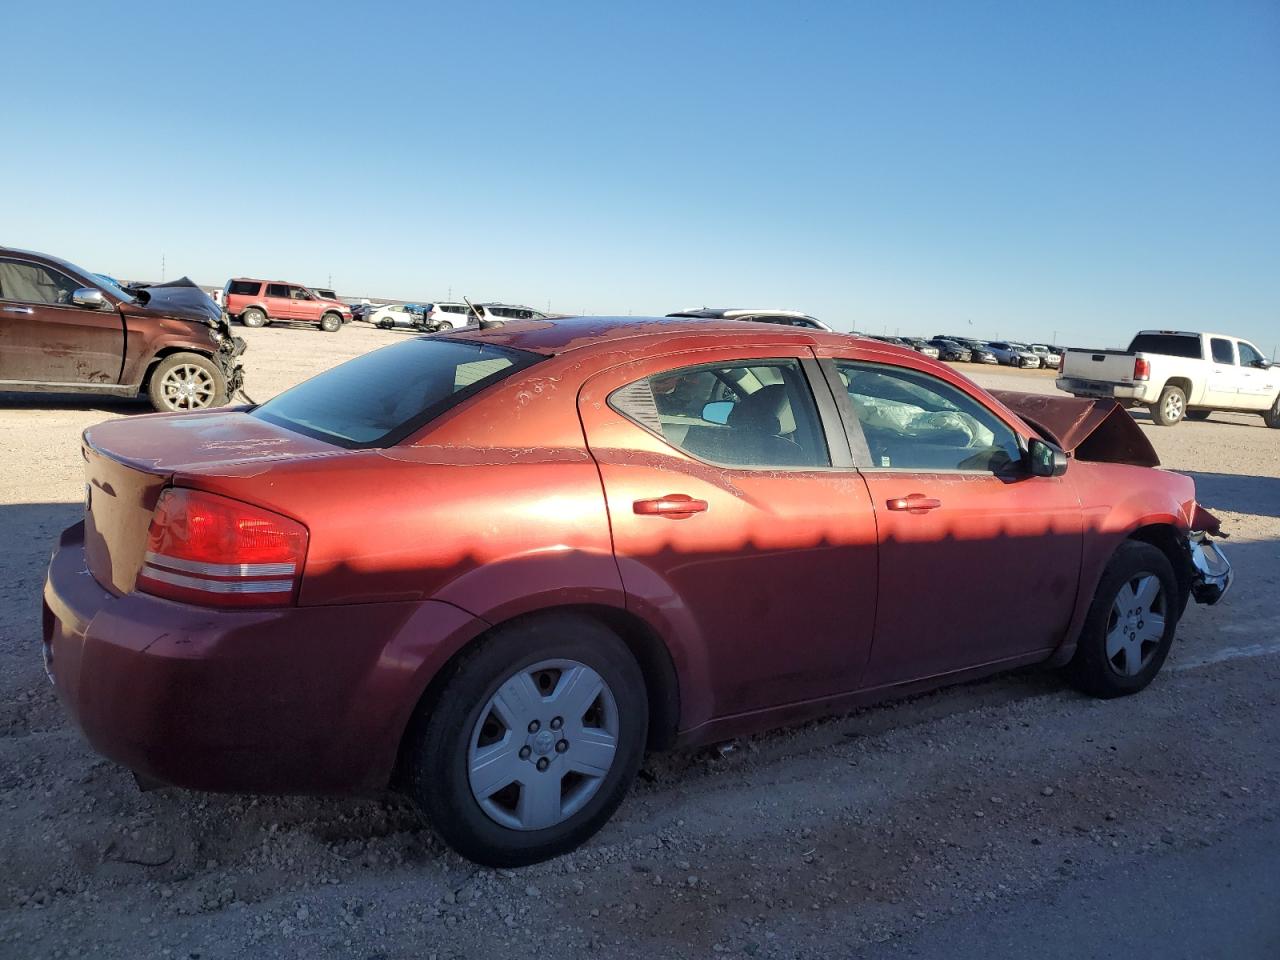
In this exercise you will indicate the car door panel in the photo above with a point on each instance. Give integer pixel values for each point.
(769, 584)
(44, 342)
(976, 565)
(1224, 374)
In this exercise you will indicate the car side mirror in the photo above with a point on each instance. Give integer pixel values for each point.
(1045, 459)
(89, 297)
(1262, 364)
(717, 412)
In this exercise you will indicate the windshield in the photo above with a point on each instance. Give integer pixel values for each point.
(380, 398)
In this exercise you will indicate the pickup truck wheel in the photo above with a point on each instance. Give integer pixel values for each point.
(532, 742)
(1272, 416)
(1169, 410)
(331, 323)
(1198, 414)
(1130, 625)
(186, 381)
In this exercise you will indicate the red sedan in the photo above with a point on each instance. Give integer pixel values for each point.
(494, 567)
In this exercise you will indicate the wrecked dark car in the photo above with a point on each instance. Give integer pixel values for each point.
(67, 330)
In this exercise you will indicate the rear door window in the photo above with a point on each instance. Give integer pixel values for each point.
(1223, 351)
(379, 398)
(757, 413)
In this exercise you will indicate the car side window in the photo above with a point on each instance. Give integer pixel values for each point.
(912, 421)
(753, 413)
(1249, 356)
(34, 283)
(298, 293)
(1223, 352)
(277, 290)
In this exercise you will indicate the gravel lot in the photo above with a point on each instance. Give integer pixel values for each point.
(887, 832)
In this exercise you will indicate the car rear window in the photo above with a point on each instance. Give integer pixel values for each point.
(247, 288)
(1167, 344)
(380, 398)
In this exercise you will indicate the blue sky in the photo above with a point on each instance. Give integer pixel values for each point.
(1084, 168)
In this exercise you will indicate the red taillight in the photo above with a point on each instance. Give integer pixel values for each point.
(212, 550)
(1141, 368)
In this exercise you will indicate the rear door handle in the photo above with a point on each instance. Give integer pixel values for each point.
(18, 310)
(674, 506)
(915, 503)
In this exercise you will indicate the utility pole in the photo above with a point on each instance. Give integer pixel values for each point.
(162, 268)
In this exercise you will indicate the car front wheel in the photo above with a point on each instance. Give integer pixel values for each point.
(331, 323)
(1130, 625)
(186, 381)
(1272, 416)
(532, 742)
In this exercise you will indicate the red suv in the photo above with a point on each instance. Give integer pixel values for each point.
(257, 302)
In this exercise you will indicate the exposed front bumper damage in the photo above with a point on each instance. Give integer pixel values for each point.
(1211, 570)
(228, 356)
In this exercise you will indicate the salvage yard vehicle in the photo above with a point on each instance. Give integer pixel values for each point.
(788, 318)
(402, 315)
(443, 316)
(1012, 354)
(951, 350)
(1178, 375)
(255, 303)
(1049, 357)
(630, 542)
(64, 329)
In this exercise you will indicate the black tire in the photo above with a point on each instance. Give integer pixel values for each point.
(253, 317)
(331, 322)
(1198, 414)
(436, 758)
(1171, 408)
(1272, 416)
(186, 381)
(444, 326)
(1091, 669)
(386, 323)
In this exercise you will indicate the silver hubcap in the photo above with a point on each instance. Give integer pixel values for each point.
(1173, 407)
(1136, 625)
(187, 387)
(543, 745)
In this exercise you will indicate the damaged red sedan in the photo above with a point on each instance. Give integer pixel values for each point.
(494, 567)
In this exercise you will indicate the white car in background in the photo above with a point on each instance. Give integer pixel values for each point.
(395, 315)
(1012, 354)
(1049, 357)
(499, 313)
(439, 317)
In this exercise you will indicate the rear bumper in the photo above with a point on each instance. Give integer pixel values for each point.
(1103, 389)
(296, 700)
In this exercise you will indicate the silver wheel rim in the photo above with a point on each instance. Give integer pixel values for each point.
(1173, 405)
(543, 745)
(187, 387)
(1136, 625)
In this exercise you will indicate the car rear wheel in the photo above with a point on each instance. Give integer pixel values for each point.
(532, 742)
(386, 323)
(331, 323)
(186, 381)
(1171, 408)
(444, 326)
(253, 317)
(1130, 625)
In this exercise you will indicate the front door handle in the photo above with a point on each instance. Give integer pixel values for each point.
(915, 503)
(674, 506)
(27, 310)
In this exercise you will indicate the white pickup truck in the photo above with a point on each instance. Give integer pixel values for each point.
(1178, 375)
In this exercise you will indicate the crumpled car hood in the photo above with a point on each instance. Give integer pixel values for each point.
(178, 298)
(1096, 430)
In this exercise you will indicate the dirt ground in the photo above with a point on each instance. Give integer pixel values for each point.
(858, 835)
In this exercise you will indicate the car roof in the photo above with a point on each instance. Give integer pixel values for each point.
(583, 333)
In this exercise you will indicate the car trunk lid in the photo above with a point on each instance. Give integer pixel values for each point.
(128, 462)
